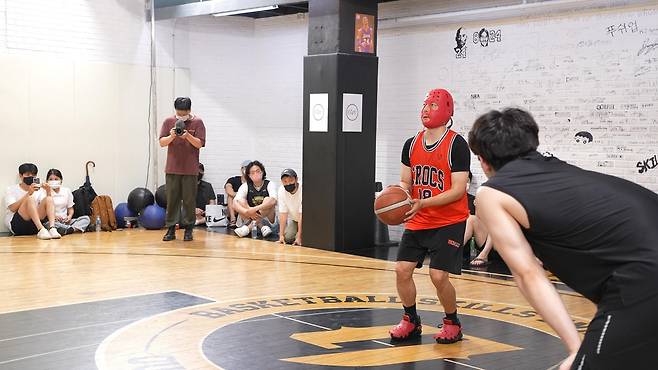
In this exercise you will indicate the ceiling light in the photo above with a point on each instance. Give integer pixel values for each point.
(243, 11)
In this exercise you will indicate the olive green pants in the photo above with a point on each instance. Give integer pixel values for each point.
(181, 188)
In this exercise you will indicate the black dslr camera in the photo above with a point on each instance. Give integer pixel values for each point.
(180, 127)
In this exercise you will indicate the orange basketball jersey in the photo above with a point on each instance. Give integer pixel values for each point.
(431, 175)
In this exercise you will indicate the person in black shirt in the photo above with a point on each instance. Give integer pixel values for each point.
(205, 195)
(231, 188)
(595, 232)
(256, 201)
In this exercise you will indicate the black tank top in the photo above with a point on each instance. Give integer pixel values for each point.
(255, 196)
(597, 233)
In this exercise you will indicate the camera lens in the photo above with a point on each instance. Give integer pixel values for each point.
(180, 127)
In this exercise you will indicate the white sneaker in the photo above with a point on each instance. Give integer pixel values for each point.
(266, 230)
(242, 231)
(43, 234)
(54, 234)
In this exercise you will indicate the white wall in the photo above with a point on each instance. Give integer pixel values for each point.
(75, 87)
(247, 84)
(83, 66)
(564, 69)
(561, 68)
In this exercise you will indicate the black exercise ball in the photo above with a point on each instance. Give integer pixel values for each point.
(140, 198)
(161, 197)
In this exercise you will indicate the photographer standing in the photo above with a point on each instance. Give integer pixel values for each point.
(183, 134)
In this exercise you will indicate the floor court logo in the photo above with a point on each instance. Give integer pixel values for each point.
(330, 331)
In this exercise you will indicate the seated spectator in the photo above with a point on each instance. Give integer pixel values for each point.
(29, 205)
(63, 201)
(205, 195)
(256, 201)
(290, 208)
(231, 188)
(477, 230)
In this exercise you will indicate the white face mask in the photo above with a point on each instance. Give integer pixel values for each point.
(55, 184)
(183, 118)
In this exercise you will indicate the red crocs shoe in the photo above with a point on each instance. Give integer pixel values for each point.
(450, 333)
(405, 329)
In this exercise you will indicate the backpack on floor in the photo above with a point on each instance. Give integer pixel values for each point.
(102, 207)
(82, 198)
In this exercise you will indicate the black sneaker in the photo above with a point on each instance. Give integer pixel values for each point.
(188, 233)
(170, 235)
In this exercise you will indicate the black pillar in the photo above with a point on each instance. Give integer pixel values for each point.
(339, 167)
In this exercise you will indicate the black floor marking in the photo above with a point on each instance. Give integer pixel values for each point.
(66, 337)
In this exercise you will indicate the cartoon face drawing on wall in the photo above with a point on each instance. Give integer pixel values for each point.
(583, 137)
(484, 37)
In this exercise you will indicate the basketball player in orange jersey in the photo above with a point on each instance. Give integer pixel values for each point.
(435, 165)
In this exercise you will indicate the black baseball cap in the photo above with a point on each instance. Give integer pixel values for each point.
(289, 172)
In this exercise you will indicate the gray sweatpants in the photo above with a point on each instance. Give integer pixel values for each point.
(81, 223)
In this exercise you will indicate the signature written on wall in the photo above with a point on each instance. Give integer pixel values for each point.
(648, 46)
(647, 164)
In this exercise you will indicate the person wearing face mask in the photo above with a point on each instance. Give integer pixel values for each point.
(290, 206)
(231, 187)
(30, 205)
(183, 135)
(63, 201)
(434, 170)
(256, 201)
(205, 194)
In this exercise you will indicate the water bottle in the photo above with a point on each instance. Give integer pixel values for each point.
(98, 223)
(474, 251)
(254, 231)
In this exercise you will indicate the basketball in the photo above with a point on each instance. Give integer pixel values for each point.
(392, 205)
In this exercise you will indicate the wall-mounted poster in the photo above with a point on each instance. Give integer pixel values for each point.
(318, 110)
(352, 108)
(364, 33)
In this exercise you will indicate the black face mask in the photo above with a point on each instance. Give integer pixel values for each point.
(28, 180)
(200, 176)
(290, 187)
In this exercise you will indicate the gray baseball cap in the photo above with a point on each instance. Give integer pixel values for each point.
(245, 163)
(289, 172)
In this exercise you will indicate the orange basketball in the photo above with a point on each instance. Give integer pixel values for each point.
(392, 205)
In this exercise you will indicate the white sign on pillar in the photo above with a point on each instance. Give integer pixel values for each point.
(352, 112)
(318, 111)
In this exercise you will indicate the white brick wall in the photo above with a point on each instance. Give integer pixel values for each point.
(106, 31)
(248, 86)
(561, 68)
(247, 82)
(76, 77)
(246, 77)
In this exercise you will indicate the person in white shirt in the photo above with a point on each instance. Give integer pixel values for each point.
(255, 201)
(63, 201)
(290, 208)
(29, 205)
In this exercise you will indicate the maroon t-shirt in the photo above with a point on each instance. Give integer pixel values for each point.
(183, 157)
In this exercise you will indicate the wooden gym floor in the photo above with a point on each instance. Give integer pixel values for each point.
(126, 300)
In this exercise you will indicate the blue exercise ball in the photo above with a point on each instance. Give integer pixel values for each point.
(122, 211)
(140, 198)
(152, 217)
